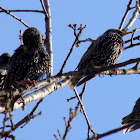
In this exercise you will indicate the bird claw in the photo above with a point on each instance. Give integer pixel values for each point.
(116, 71)
(35, 82)
(24, 84)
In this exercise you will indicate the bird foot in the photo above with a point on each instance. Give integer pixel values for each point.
(35, 83)
(103, 73)
(24, 84)
(117, 71)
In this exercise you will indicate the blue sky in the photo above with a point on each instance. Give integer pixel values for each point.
(106, 100)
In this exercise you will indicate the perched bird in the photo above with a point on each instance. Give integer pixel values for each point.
(4, 59)
(29, 62)
(4, 63)
(133, 118)
(104, 51)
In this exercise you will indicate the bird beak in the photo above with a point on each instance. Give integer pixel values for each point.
(125, 33)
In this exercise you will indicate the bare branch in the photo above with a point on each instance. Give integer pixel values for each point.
(133, 19)
(77, 35)
(135, 38)
(9, 13)
(80, 41)
(125, 15)
(131, 45)
(55, 137)
(36, 11)
(52, 86)
(46, 13)
(25, 120)
(48, 39)
(86, 117)
(41, 93)
(132, 39)
(72, 115)
(81, 94)
(110, 132)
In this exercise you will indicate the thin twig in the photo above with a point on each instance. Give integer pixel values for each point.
(44, 9)
(28, 117)
(83, 110)
(135, 38)
(36, 11)
(20, 37)
(75, 42)
(25, 120)
(80, 41)
(133, 32)
(72, 115)
(81, 94)
(55, 137)
(110, 132)
(131, 45)
(83, 90)
(125, 15)
(51, 86)
(11, 120)
(9, 13)
(132, 20)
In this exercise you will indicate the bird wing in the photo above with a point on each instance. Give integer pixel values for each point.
(133, 118)
(104, 51)
(20, 66)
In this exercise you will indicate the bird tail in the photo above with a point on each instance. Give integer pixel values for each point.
(77, 82)
(87, 78)
(125, 121)
(129, 120)
(132, 119)
(74, 81)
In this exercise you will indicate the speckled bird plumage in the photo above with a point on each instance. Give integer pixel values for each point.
(133, 117)
(104, 51)
(4, 63)
(4, 59)
(29, 61)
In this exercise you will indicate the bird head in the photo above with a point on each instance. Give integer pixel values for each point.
(31, 37)
(4, 59)
(121, 33)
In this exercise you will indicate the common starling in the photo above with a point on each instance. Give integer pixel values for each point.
(104, 51)
(4, 60)
(133, 118)
(29, 62)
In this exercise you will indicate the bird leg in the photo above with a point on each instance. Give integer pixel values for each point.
(103, 73)
(116, 71)
(35, 82)
(23, 83)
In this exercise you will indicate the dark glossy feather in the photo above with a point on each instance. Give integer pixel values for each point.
(104, 51)
(29, 61)
(132, 118)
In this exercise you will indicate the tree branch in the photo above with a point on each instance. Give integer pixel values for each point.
(41, 93)
(109, 132)
(52, 86)
(133, 18)
(125, 15)
(135, 38)
(36, 11)
(9, 13)
(72, 115)
(24, 121)
(48, 39)
(85, 115)
(77, 35)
